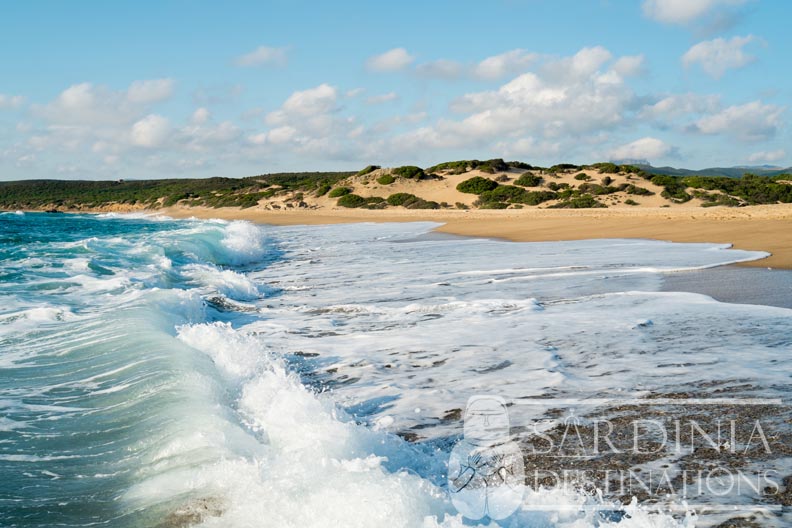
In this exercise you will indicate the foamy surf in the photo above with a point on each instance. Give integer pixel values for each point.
(225, 374)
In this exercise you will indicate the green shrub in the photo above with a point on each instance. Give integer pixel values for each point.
(323, 189)
(674, 188)
(462, 166)
(562, 167)
(386, 179)
(528, 180)
(476, 185)
(555, 186)
(607, 180)
(399, 198)
(537, 197)
(598, 190)
(504, 193)
(410, 201)
(352, 201)
(367, 170)
(582, 177)
(491, 205)
(640, 191)
(409, 172)
(606, 168)
(630, 201)
(583, 201)
(339, 191)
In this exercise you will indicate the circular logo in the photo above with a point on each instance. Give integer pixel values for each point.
(486, 472)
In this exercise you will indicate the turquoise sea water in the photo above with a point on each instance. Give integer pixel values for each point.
(167, 373)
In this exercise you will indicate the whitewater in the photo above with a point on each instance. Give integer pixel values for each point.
(156, 372)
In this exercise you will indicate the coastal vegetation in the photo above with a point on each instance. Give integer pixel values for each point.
(476, 185)
(339, 192)
(410, 201)
(496, 184)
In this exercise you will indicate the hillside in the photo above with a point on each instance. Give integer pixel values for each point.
(463, 184)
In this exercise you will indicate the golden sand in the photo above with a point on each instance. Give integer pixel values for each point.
(761, 228)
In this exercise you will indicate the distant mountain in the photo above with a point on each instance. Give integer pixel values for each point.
(729, 172)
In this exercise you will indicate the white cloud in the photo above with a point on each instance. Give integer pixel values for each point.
(582, 64)
(306, 103)
(719, 55)
(684, 11)
(648, 148)
(392, 60)
(354, 92)
(11, 101)
(629, 65)
(767, 156)
(498, 66)
(752, 121)
(383, 98)
(263, 55)
(678, 105)
(151, 131)
(203, 136)
(150, 91)
(200, 116)
(571, 98)
(309, 122)
(440, 69)
(88, 105)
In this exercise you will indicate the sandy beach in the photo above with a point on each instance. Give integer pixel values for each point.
(760, 228)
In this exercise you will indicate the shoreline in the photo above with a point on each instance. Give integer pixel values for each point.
(755, 228)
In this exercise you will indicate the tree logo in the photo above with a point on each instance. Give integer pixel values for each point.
(486, 472)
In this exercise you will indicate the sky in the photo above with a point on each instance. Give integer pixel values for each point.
(191, 88)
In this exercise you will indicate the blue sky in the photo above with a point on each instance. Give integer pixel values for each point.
(93, 90)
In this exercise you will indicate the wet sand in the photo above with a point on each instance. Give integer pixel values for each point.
(757, 228)
(735, 284)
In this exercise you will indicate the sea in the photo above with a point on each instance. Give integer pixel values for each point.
(166, 373)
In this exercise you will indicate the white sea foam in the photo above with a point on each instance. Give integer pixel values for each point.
(289, 417)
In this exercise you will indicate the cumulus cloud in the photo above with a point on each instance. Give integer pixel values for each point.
(752, 121)
(684, 11)
(382, 98)
(390, 61)
(151, 131)
(441, 69)
(306, 103)
(535, 112)
(151, 91)
(629, 65)
(11, 101)
(261, 56)
(581, 65)
(674, 106)
(644, 148)
(717, 56)
(498, 66)
(200, 116)
(767, 156)
(86, 104)
(309, 122)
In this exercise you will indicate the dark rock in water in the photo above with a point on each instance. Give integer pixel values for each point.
(409, 436)
(453, 415)
(305, 354)
(53, 211)
(194, 512)
(224, 305)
